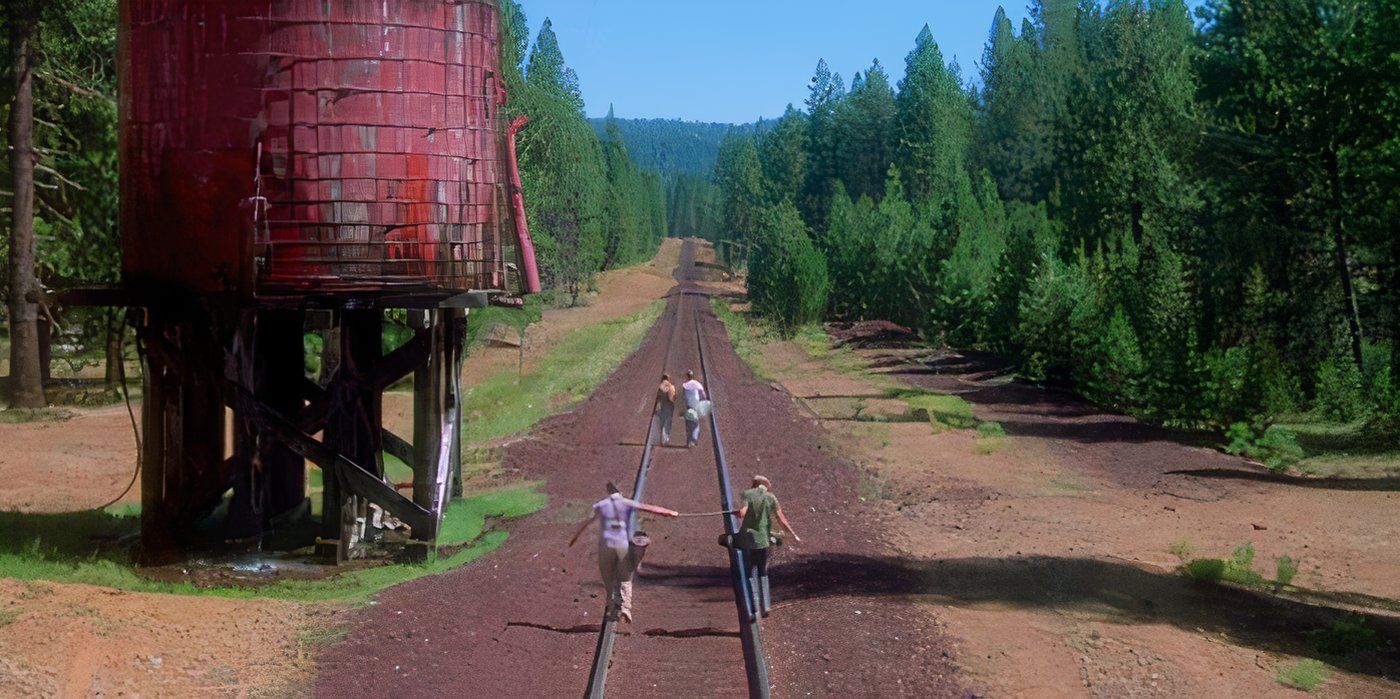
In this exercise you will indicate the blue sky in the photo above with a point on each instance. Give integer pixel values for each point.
(734, 61)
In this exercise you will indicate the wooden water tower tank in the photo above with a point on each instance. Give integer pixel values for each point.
(347, 157)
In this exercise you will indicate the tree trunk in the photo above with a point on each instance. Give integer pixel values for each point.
(26, 382)
(1343, 260)
(114, 356)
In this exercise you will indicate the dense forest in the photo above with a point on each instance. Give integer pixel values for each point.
(1193, 219)
(685, 154)
(671, 146)
(590, 205)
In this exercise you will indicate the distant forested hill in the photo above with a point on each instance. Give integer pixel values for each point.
(671, 146)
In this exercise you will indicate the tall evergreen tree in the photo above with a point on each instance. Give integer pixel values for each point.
(739, 176)
(867, 127)
(562, 169)
(824, 97)
(1301, 116)
(934, 122)
(1130, 136)
(785, 157)
(1014, 129)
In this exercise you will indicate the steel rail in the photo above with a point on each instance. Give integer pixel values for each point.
(750, 634)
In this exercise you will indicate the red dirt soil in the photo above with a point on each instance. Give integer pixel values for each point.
(523, 621)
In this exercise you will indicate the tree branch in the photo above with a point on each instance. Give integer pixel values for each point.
(46, 169)
(79, 89)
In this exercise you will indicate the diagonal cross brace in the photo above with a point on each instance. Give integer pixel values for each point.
(348, 474)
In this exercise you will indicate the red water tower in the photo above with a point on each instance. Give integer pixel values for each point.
(295, 167)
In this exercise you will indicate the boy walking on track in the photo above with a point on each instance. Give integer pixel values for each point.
(618, 553)
(666, 407)
(695, 394)
(756, 538)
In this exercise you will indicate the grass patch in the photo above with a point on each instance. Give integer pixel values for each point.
(814, 340)
(1182, 549)
(749, 333)
(744, 333)
(1345, 637)
(90, 548)
(1238, 569)
(1358, 449)
(1306, 675)
(1071, 486)
(19, 416)
(8, 616)
(947, 410)
(507, 404)
(465, 519)
(990, 436)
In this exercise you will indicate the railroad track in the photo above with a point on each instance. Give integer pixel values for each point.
(750, 633)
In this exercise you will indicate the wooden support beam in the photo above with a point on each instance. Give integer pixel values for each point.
(398, 447)
(271, 478)
(157, 545)
(350, 475)
(404, 360)
(428, 392)
(281, 374)
(457, 340)
(353, 430)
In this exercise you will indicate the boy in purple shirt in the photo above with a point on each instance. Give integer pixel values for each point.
(617, 558)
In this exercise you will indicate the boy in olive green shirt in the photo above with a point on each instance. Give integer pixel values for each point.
(755, 537)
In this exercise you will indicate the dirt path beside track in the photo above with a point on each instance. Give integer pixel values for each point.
(1053, 553)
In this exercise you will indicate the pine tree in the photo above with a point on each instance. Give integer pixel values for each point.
(788, 280)
(563, 171)
(825, 95)
(1013, 135)
(867, 128)
(784, 154)
(934, 122)
(1130, 135)
(741, 192)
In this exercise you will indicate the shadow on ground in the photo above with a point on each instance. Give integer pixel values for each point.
(1354, 484)
(1083, 588)
(1097, 590)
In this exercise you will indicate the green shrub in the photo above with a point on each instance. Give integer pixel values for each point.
(1285, 572)
(1346, 636)
(991, 429)
(1338, 390)
(788, 280)
(1235, 384)
(1379, 379)
(1306, 675)
(1279, 448)
(1243, 557)
(1280, 391)
(1119, 371)
(1238, 569)
(1276, 447)
(1182, 549)
(1208, 570)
